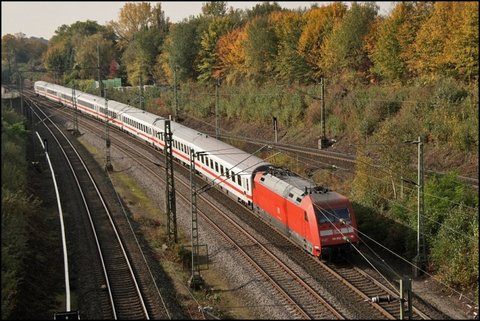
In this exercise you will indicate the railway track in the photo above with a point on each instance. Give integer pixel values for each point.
(366, 310)
(124, 298)
(301, 298)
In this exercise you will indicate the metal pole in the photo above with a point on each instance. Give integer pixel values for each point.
(21, 92)
(275, 129)
(170, 186)
(322, 113)
(100, 84)
(75, 115)
(175, 107)
(142, 97)
(195, 280)
(108, 164)
(217, 84)
(420, 205)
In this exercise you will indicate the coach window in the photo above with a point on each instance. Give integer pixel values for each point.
(221, 169)
(211, 163)
(233, 176)
(246, 183)
(239, 180)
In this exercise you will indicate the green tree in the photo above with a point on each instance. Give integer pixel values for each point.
(386, 57)
(181, 49)
(260, 48)
(344, 49)
(213, 9)
(86, 56)
(290, 65)
(263, 9)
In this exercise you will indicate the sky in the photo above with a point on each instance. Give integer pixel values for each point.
(42, 18)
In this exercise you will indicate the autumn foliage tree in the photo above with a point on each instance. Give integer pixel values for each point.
(343, 50)
(447, 43)
(290, 64)
(231, 55)
(319, 24)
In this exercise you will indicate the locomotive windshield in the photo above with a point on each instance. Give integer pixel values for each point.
(332, 215)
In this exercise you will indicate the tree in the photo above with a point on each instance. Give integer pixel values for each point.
(260, 48)
(180, 50)
(87, 59)
(343, 49)
(114, 69)
(319, 24)
(213, 9)
(207, 56)
(447, 43)
(231, 55)
(386, 56)
(133, 18)
(55, 58)
(290, 65)
(263, 9)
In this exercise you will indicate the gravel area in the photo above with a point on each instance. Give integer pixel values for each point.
(239, 278)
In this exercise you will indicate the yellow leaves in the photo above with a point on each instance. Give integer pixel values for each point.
(319, 23)
(448, 41)
(133, 17)
(231, 54)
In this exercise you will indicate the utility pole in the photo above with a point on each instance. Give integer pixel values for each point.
(195, 280)
(175, 107)
(420, 259)
(142, 97)
(275, 128)
(323, 137)
(21, 91)
(108, 164)
(75, 114)
(170, 186)
(217, 84)
(100, 84)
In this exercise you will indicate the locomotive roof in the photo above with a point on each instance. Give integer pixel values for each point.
(238, 160)
(295, 188)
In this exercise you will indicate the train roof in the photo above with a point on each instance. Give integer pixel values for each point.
(119, 108)
(295, 188)
(238, 160)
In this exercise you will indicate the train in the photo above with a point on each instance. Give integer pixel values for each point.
(317, 219)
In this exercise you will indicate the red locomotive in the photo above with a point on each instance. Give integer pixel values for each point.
(315, 218)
